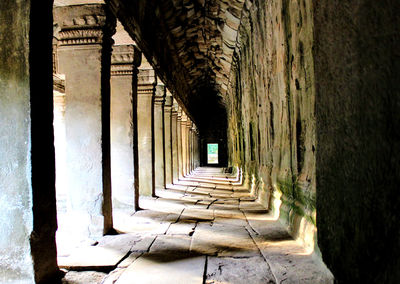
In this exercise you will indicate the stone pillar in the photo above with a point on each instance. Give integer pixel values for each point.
(189, 147)
(193, 146)
(27, 180)
(196, 149)
(168, 138)
(184, 143)
(146, 88)
(124, 60)
(84, 54)
(174, 139)
(180, 152)
(158, 131)
(59, 142)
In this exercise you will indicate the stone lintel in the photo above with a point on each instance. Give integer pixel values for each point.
(83, 24)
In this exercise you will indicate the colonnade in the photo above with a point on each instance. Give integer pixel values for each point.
(125, 133)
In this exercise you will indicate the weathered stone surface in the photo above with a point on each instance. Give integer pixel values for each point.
(168, 268)
(84, 277)
(222, 240)
(270, 101)
(27, 178)
(84, 35)
(358, 122)
(93, 258)
(174, 248)
(146, 87)
(292, 263)
(168, 146)
(158, 134)
(238, 270)
(123, 126)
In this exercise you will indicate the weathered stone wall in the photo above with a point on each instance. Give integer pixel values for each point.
(271, 108)
(357, 71)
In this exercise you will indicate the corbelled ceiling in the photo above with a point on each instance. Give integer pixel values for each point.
(190, 43)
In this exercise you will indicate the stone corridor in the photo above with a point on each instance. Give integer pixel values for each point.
(208, 228)
(199, 141)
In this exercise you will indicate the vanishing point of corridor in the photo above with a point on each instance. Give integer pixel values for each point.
(208, 228)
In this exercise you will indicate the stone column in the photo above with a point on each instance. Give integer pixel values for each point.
(196, 149)
(184, 143)
(168, 138)
(27, 180)
(146, 88)
(189, 147)
(59, 141)
(180, 152)
(174, 139)
(84, 53)
(158, 131)
(192, 150)
(124, 60)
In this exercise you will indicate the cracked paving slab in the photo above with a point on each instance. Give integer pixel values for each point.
(254, 270)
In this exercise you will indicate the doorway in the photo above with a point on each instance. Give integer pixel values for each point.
(212, 153)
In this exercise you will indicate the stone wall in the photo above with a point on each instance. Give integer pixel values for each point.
(357, 71)
(270, 105)
(313, 120)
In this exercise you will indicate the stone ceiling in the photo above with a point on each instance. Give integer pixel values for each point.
(190, 43)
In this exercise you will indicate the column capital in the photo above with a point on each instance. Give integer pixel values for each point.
(125, 59)
(159, 94)
(168, 100)
(184, 117)
(147, 81)
(83, 24)
(174, 108)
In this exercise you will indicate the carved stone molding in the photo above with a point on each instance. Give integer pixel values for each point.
(83, 24)
(146, 77)
(168, 100)
(124, 60)
(160, 93)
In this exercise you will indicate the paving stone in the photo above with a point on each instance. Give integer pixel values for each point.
(83, 277)
(122, 242)
(214, 239)
(113, 276)
(230, 221)
(164, 268)
(130, 259)
(144, 244)
(292, 263)
(197, 214)
(254, 270)
(92, 258)
(171, 245)
(182, 228)
(226, 213)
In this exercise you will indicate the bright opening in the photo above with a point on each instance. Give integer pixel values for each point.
(212, 153)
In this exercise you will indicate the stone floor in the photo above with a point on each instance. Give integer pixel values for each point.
(206, 229)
